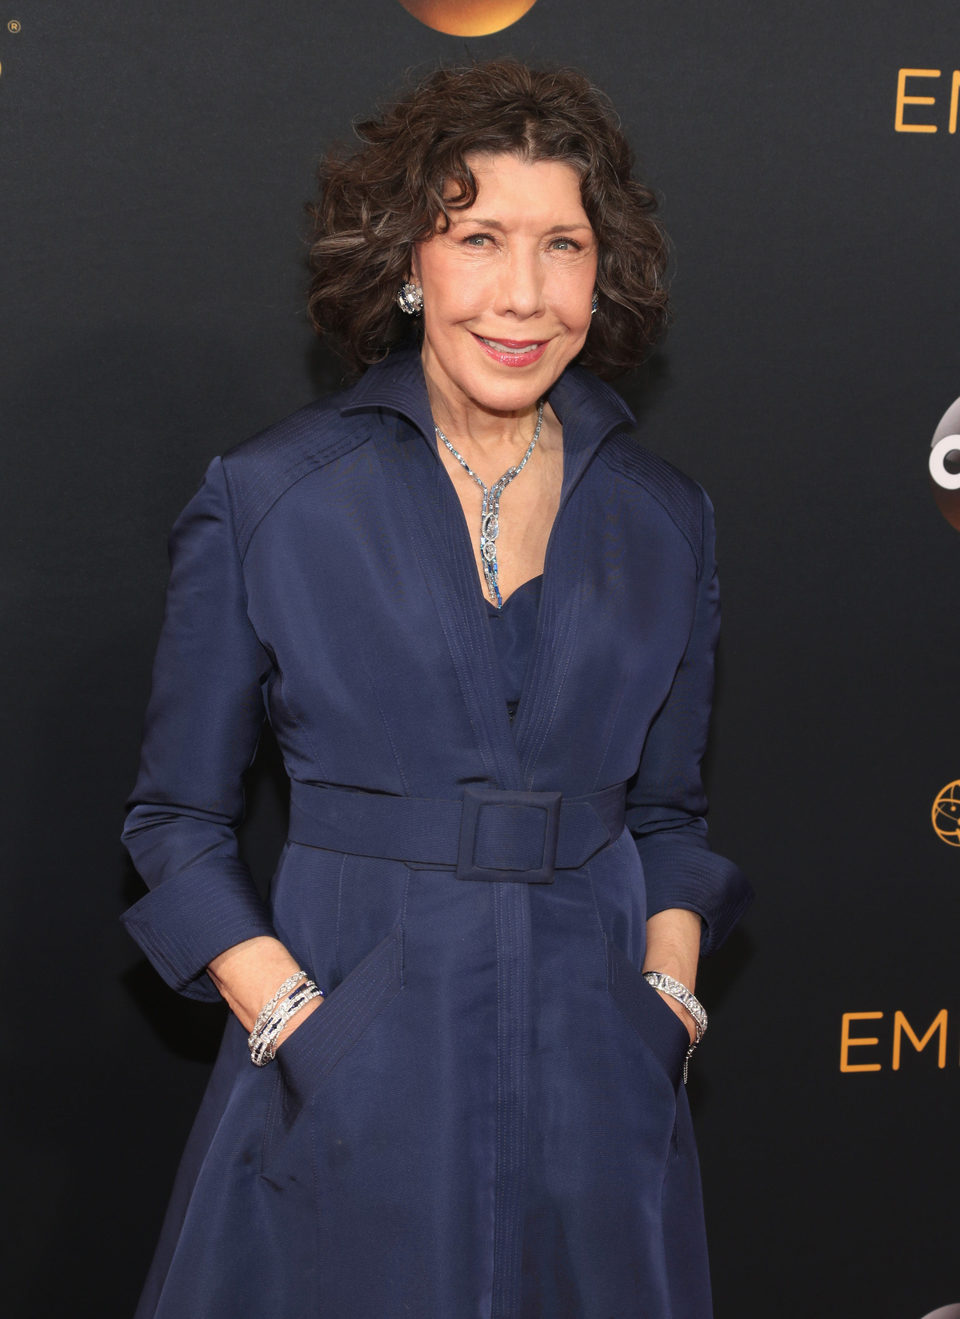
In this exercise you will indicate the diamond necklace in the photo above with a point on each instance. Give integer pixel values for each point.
(490, 508)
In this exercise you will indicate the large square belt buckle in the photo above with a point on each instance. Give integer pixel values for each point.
(547, 808)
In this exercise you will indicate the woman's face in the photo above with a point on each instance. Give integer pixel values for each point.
(507, 288)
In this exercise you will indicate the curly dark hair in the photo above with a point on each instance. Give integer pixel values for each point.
(400, 185)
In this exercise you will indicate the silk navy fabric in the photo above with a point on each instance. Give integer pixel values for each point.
(485, 1119)
(513, 629)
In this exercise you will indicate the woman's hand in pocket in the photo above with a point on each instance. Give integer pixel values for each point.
(689, 1025)
(673, 947)
(250, 973)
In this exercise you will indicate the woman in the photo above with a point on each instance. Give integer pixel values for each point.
(481, 620)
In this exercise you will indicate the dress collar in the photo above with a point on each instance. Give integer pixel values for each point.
(588, 408)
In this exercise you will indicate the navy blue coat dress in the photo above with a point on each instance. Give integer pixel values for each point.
(485, 1119)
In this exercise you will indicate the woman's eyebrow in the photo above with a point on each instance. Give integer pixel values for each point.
(477, 222)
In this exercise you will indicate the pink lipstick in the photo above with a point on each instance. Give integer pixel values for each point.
(513, 352)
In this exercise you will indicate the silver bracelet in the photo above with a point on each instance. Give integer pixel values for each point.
(667, 985)
(263, 1038)
(268, 1007)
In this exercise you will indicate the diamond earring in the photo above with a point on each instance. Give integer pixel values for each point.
(410, 298)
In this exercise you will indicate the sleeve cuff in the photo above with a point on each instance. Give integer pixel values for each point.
(680, 874)
(186, 921)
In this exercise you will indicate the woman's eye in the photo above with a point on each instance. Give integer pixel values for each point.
(478, 240)
(566, 245)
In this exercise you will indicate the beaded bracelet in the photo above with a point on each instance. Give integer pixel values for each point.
(667, 985)
(272, 1018)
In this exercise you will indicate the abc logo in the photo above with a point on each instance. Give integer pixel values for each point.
(945, 465)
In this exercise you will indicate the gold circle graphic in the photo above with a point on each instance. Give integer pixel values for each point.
(945, 815)
(13, 25)
(468, 18)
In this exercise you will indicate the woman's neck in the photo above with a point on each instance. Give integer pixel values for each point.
(485, 431)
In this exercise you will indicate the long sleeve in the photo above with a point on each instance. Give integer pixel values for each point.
(202, 727)
(666, 802)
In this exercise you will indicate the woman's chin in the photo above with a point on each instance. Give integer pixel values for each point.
(496, 385)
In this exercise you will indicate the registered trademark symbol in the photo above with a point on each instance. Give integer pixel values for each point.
(13, 25)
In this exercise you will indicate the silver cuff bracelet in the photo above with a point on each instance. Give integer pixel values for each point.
(667, 985)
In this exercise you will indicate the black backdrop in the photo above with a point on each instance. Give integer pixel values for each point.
(153, 165)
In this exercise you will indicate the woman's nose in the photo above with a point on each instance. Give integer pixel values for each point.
(520, 292)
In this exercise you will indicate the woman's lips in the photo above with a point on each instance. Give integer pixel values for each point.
(513, 352)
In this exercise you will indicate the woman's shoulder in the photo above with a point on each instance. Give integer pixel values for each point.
(315, 431)
(621, 449)
(260, 469)
(681, 497)
(625, 454)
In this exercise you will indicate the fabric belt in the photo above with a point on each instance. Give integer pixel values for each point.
(489, 834)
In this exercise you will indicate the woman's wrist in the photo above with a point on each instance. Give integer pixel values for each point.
(673, 949)
(678, 996)
(249, 973)
(673, 945)
(286, 1005)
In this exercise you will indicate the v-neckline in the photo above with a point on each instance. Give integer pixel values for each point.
(515, 746)
(588, 412)
(538, 577)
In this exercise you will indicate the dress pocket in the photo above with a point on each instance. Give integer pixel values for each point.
(657, 1025)
(308, 1056)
